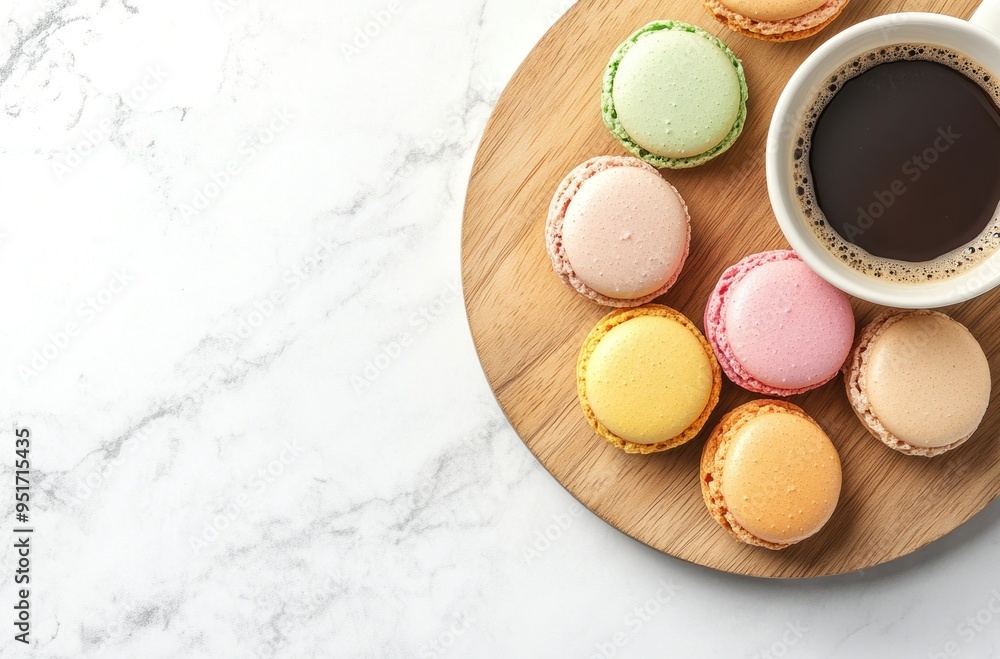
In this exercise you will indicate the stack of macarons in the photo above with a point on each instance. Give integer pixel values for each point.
(648, 380)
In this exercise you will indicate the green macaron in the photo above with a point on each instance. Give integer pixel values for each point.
(674, 95)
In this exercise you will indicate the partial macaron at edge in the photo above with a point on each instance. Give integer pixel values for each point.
(557, 214)
(610, 115)
(599, 331)
(855, 383)
(791, 29)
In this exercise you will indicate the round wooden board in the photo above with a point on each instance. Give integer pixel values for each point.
(528, 327)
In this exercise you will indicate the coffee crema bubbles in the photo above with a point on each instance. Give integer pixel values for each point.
(896, 163)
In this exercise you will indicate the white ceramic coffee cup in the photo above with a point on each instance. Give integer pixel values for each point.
(979, 40)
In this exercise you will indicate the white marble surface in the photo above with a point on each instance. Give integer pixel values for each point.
(232, 322)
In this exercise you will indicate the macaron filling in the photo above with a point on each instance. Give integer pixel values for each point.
(649, 379)
(626, 232)
(674, 95)
(926, 380)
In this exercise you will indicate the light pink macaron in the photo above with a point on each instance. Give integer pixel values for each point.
(776, 326)
(617, 232)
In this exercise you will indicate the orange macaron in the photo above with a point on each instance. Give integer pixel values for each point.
(770, 475)
(776, 20)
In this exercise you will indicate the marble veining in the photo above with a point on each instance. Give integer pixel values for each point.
(233, 324)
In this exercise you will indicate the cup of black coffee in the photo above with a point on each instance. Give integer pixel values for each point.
(883, 158)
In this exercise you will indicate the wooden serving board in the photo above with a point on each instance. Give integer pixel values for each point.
(528, 327)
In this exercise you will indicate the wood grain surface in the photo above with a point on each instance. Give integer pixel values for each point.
(528, 327)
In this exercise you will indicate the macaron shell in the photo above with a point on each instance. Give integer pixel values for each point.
(626, 233)
(777, 31)
(614, 124)
(927, 380)
(648, 380)
(554, 226)
(786, 326)
(677, 94)
(776, 327)
(781, 477)
(773, 10)
(713, 463)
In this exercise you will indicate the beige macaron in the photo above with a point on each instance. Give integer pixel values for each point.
(919, 381)
(770, 475)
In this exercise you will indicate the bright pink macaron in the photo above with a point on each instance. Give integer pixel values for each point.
(617, 232)
(776, 326)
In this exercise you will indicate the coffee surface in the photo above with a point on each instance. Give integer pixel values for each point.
(903, 156)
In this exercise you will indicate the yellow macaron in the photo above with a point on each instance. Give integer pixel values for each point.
(770, 475)
(647, 379)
